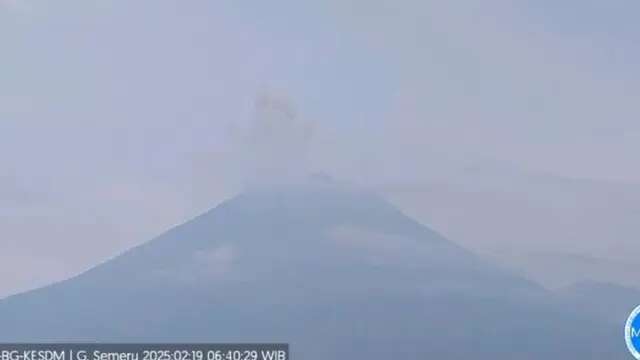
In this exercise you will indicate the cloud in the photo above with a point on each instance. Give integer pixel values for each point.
(274, 147)
(377, 247)
(207, 264)
(215, 262)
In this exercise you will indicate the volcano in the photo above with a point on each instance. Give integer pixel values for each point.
(332, 269)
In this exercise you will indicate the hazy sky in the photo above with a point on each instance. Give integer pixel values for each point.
(121, 118)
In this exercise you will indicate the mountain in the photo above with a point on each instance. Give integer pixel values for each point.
(556, 230)
(608, 302)
(334, 270)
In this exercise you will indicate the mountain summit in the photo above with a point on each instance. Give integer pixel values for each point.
(333, 269)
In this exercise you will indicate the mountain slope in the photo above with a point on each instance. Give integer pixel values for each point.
(332, 269)
(608, 302)
(556, 230)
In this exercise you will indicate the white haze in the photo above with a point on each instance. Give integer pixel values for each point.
(120, 119)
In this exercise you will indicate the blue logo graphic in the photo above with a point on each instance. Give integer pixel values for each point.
(632, 333)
